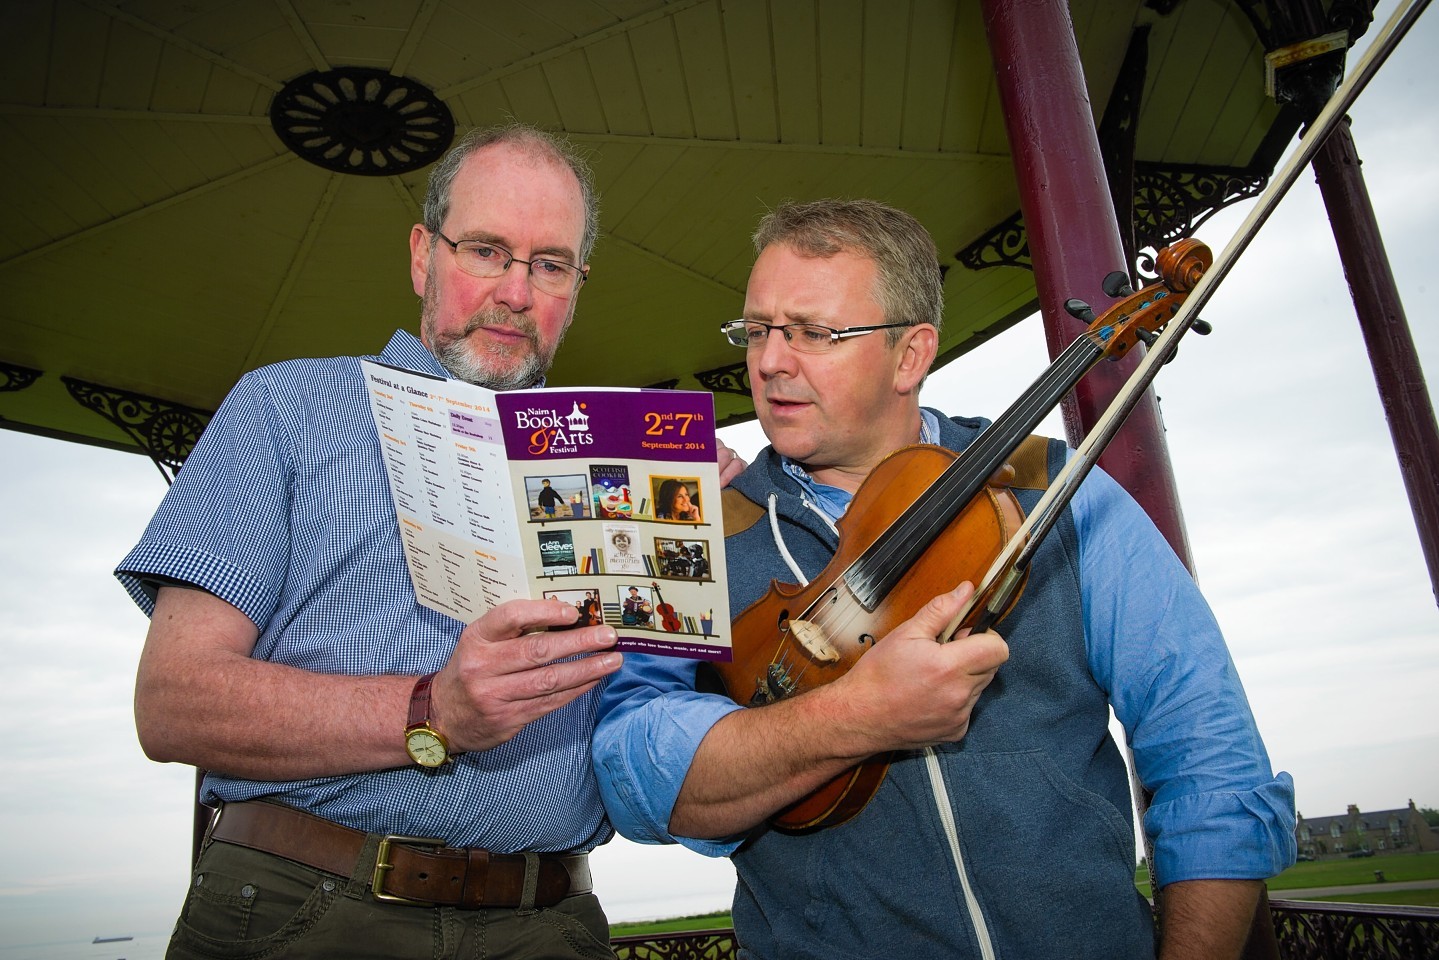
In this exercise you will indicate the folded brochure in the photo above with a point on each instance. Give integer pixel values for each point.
(605, 498)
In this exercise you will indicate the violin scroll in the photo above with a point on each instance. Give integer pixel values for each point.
(1140, 315)
(1182, 263)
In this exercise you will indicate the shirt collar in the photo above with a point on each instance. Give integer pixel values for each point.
(833, 501)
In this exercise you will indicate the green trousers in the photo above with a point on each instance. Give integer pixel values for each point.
(244, 904)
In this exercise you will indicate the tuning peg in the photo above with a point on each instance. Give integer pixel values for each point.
(1201, 327)
(1147, 336)
(1079, 310)
(1116, 284)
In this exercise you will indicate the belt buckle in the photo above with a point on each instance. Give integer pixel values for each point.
(382, 865)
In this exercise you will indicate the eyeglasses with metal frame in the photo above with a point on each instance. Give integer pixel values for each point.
(803, 337)
(486, 260)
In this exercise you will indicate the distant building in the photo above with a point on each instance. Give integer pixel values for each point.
(1378, 831)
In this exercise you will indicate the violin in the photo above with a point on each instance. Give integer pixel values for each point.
(925, 520)
(668, 618)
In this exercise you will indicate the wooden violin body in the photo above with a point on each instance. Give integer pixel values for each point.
(798, 638)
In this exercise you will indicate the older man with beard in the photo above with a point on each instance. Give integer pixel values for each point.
(287, 656)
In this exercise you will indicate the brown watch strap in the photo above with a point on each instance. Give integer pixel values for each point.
(420, 702)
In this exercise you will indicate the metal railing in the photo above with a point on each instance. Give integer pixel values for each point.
(1306, 930)
(690, 945)
(1311, 930)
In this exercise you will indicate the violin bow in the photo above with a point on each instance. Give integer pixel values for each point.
(1002, 581)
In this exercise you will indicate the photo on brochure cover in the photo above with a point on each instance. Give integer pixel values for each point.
(557, 553)
(586, 603)
(637, 606)
(557, 497)
(622, 548)
(610, 483)
(682, 559)
(676, 499)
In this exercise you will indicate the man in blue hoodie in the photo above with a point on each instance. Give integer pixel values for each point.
(1003, 828)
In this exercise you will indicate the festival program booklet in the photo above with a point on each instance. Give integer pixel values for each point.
(605, 498)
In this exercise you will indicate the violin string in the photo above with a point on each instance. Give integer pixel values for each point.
(895, 553)
(869, 577)
(976, 464)
(892, 553)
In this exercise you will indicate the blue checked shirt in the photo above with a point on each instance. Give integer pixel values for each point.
(284, 511)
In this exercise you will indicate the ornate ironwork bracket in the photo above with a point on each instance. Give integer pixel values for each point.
(1159, 203)
(1005, 245)
(15, 377)
(165, 431)
(730, 379)
(1169, 202)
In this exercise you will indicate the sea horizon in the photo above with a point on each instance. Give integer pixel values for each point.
(142, 945)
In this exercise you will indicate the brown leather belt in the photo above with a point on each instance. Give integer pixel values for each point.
(410, 870)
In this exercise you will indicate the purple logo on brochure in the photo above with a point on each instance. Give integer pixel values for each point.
(627, 424)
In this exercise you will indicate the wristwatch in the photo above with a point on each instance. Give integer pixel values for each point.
(425, 745)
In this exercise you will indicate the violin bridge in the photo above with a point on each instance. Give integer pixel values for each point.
(812, 639)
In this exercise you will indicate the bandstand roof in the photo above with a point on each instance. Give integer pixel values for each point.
(161, 238)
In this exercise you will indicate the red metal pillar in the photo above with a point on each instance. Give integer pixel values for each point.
(1073, 242)
(1073, 236)
(1397, 373)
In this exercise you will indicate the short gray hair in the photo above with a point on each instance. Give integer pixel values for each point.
(443, 173)
(909, 288)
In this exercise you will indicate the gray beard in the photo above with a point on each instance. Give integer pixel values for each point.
(461, 363)
(493, 372)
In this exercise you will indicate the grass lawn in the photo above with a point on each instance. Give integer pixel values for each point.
(703, 921)
(1345, 872)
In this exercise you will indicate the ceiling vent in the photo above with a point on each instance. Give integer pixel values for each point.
(362, 121)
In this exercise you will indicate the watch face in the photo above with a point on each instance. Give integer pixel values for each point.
(426, 748)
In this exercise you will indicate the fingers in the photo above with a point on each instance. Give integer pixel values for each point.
(509, 669)
(978, 654)
(730, 464)
(935, 617)
(516, 617)
(909, 691)
(519, 637)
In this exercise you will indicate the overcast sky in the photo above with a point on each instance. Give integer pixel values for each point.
(1298, 520)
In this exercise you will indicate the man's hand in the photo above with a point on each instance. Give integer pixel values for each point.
(910, 692)
(730, 464)
(508, 669)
